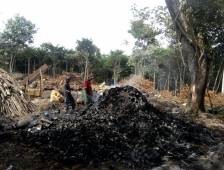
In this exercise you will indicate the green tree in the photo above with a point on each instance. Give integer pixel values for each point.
(198, 25)
(16, 36)
(71, 61)
(56, 54)
(26, 60)
(90, 53)
(145, 34)
(118, 63)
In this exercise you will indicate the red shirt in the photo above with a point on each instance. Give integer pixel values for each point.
(87, 87)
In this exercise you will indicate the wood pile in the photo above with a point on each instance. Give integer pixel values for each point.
(100, 88)
(185, 91)
(216, 99)
(51, 83)
(75, 83)
(140, 83)
(13, 102)
(32, 77)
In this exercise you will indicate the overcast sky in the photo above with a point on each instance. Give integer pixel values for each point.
(63, 22)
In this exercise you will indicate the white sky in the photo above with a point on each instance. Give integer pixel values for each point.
(63, 22)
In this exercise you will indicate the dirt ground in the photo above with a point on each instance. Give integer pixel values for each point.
(23, 157)
(15, 155)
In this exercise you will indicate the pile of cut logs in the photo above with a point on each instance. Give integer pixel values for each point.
(13, 102)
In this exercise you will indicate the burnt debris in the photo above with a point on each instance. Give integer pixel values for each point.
(121, 127)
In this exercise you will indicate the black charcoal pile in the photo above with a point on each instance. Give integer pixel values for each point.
(124, 128)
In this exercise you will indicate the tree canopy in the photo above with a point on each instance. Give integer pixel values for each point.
(16, 36)
(198, 26)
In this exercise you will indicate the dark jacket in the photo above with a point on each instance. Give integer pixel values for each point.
(67, 93)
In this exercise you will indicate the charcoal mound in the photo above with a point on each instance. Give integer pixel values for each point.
(124, 128)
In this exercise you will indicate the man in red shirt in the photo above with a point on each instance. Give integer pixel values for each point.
(88, 90)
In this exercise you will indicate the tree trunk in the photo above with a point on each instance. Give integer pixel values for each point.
(219, 83)
(198, 88)
(86, 69)
(66, 66)
(217, 76)
(54, 69)
(184, 74)
(175, 86)
(165, 85)
(115, 76)
(143, 68)
(168, 86)
(223, 82)
(154, 74)
(180, 69)
(135, 69)
(197, 58)
(11, 63)
(28, 66)
(154, 79)
(34, 65)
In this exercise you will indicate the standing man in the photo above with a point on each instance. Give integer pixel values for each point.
(69, 100)
(88, 91)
